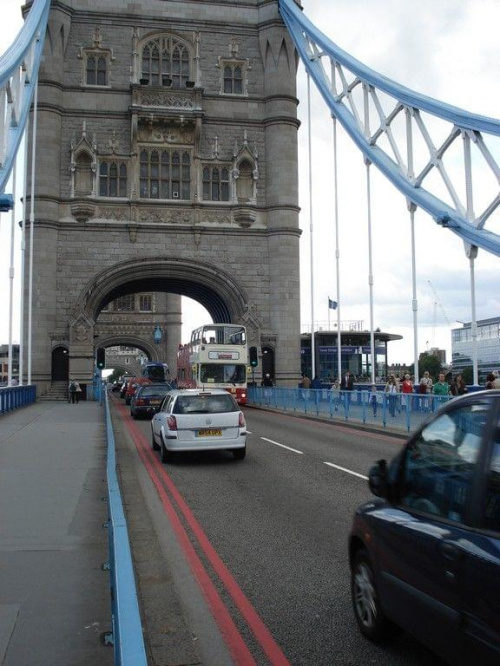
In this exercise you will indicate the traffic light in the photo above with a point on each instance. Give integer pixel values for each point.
(101, 358)
(254, 359)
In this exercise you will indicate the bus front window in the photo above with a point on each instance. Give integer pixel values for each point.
(217, 373)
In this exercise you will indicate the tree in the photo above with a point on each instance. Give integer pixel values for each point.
(429, 363)
(468, 375)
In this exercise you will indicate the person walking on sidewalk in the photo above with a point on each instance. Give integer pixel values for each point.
(74, 392)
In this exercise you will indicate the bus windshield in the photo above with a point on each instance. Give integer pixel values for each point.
(156, 372)
(217, 373)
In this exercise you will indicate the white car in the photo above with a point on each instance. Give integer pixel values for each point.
(199, 420)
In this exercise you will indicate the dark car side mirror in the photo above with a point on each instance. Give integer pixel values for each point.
(377, 479)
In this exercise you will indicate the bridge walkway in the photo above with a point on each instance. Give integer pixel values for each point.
(54, 595)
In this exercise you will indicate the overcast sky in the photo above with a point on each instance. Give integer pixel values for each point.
(447, 50)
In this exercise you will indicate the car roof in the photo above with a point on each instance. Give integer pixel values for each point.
(205, 391)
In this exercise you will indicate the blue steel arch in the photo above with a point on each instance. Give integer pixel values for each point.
(312, 45)
(19, 67)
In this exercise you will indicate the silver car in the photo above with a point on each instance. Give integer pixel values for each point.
(199, 420)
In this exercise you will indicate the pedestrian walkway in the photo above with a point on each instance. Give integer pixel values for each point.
(54, 595)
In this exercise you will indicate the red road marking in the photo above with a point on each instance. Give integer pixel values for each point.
(235, 643)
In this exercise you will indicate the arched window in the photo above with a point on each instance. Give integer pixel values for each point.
(165, 62)
(215, 183)
(165, 174)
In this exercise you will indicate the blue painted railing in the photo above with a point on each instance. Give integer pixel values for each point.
(399, 411)
(127, 634)
(13, 397)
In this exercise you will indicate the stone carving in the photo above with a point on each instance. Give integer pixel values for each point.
(168, 135)
(165, 99)
(80, 333)
(165, 216)
(118, 214)
(216, 218)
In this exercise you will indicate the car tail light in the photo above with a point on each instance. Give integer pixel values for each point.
(241, 421)
(172, 423)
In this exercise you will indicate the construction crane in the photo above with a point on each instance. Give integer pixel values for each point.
(436, 303)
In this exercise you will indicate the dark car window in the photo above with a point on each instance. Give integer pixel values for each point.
(491, 518)
(438, 467)
(153, 390)
(204, 404)
(166, 403)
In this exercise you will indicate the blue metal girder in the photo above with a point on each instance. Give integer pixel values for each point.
(301, 29)
(32, 32)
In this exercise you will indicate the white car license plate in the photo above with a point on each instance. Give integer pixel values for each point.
(208, 432)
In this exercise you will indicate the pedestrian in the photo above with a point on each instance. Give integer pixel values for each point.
(373, 400)
(496, 381)
(406, 388)
(458, 386)
(305, 385)
(490, 381)
(74, 392)
(391, 390)
(424, 388)
(316, 386)
(316, 382)
(335, 394)
(441, 388)
(346, 387)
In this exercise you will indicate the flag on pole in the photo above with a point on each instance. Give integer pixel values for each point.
(332, 305)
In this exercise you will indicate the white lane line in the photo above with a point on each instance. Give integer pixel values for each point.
(282, 445)
(349, 471)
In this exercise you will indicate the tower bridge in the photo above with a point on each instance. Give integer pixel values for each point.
(163, 160)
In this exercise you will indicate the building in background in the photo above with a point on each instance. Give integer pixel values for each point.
(4, 361)
(356, 352)
(488, 347)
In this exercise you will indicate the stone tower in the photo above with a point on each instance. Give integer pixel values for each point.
(166, 162)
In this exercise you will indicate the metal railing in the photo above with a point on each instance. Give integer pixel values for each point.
(401, 411)
(126, 636)
(13, 397)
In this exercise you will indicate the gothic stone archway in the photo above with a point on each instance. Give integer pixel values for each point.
(217, 291)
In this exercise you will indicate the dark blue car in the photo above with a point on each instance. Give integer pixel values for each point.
(425, 556)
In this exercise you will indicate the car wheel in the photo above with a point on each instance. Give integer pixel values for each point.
(154, 445)
(370, 617)
(239, 454)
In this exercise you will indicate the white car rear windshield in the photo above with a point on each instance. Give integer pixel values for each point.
(204, 404)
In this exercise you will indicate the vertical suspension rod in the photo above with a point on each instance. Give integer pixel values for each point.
(337, 247)
(311, 227)
(32, 224)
